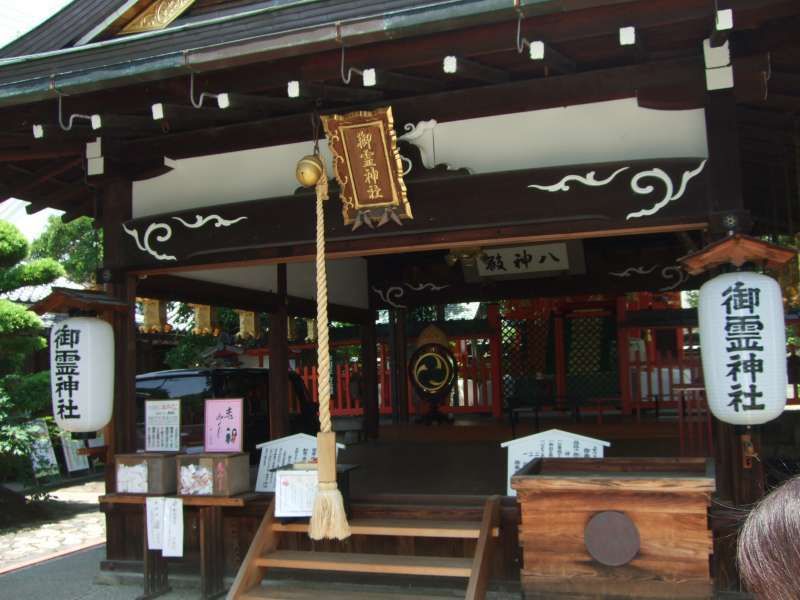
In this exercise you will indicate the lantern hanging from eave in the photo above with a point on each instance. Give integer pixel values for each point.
(743, 347)
(82, 374)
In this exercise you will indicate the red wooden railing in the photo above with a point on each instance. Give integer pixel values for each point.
(673, 385)
(476, 374)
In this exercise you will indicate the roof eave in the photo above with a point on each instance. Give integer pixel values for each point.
(405, 23)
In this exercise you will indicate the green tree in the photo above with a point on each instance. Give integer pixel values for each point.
(21, 396)
(76, 245)
(20, 329)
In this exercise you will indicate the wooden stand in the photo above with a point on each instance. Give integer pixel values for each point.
(211, 543)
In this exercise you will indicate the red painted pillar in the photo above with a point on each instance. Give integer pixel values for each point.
(496, 353)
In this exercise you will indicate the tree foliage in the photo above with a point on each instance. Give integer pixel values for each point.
(20, 329)
(22, 396)
(190, 352)
(76, 245)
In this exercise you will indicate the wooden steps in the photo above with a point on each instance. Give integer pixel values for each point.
(407, 522)
(299, 592)
(403, 527)
(389, 564)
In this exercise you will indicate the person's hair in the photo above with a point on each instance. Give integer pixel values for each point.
(768, 550)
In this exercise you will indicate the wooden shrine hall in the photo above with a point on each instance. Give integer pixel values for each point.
(557, 157)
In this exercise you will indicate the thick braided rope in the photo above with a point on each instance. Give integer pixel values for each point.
(323, 351)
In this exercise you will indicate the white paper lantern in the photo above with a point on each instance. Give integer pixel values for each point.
(743, 346)
(82, 374)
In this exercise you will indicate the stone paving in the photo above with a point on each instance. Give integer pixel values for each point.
(72, 521)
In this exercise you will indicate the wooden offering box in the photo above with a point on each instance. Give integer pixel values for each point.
(213, 474)
(146, 473)
(615, 527)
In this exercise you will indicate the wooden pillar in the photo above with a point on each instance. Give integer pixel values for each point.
(121, 434)
(725, 189)
(399, 376)
(724, 160)
(496, 352)
(369, 373)
(279, 363)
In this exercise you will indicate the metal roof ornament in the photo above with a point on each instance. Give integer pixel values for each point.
(156, 16)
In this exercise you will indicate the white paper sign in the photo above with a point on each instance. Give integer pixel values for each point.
(155, 523)
(296, 448)
(75, 461)
(521, 260)
(294, 492)
(553, 443)
(162, 427)
(172, 542)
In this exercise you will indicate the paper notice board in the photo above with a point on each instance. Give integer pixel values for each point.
(294, 492)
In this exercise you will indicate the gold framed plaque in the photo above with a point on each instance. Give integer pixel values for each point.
(368, 167)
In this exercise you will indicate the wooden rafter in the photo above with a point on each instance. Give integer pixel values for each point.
(46, 175)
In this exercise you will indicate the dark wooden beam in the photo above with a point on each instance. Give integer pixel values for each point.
(469, 69)
(183, 289)
(179, 115)
(263, 104)
(324, 93)
(782, 82)
(64, 199)
(387, 80)
(279, 362)
(46, 175)
(28, 153)
(557, 61)
(518, 96)
(128, 123)
(446, 209)
(79, 131)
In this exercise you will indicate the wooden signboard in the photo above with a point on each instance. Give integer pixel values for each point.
(368, 167)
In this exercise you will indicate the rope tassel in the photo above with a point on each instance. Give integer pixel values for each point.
(328, 517)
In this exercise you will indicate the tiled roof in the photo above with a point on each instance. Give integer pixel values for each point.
(34, 293)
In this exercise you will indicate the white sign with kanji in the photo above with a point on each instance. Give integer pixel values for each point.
(523, 260)
(297, 448)
(552, 443)
(162, 425)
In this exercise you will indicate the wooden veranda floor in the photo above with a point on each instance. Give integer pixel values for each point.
(466, 457)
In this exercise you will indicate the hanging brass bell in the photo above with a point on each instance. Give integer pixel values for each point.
(309, 170)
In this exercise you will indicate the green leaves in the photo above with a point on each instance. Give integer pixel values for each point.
(76, 245)
(38, 272)
(13, 245)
